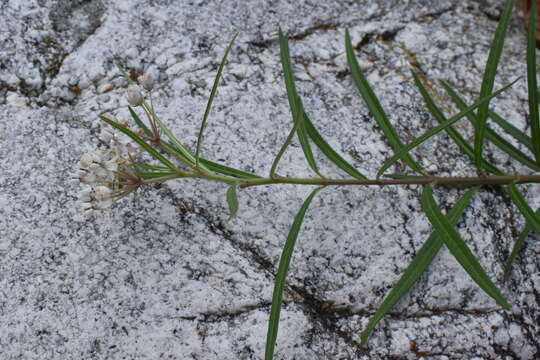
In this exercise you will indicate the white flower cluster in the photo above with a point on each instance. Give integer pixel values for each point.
(98, 173)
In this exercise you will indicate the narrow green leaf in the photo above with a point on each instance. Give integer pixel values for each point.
(424, 257)
(283, 269)
(404, 150)
(295, 102)
(327, 150)
(454, 134)
(281, 151)
(226, 170)
(489, 79)
(513, 131)
(152, 167)
(211, 99)
(518, 246)
(232, 200)
(139, 122)
(374, 105)
(141, 142)
(153, 175)
(491, 135)
(531, 82)
(459, 248)
(524, 208)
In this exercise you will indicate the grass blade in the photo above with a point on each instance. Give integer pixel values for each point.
(424, 257)
(295, 102)
(374, 105)
(327, 150)
(518, 246)
(211, 100)
(232, 200)
(489, 79)
(404, 150)
(141, 142)
(459, 248)
(283, 269)
(491, 135)
(513, 131)
(531, 82)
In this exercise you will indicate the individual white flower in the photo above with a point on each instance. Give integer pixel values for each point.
(134, 96)
(147, 81)
(103, 196)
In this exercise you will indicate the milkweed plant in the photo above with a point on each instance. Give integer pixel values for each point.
(147, 152)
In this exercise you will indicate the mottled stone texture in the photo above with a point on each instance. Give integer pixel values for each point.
(164, 274)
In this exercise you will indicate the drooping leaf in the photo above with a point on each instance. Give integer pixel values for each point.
(459, 248)
(283, 269)
(489, 79)
(424, 257)
(532, 83)
(374, 104)
(327, 150)
(518, 246)
(141, 142)
(232, 200)
(434, 131)
(491, 135)
(211, 99)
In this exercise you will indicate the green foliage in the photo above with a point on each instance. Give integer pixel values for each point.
(444, 226)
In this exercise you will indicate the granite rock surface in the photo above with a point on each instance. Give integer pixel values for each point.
(164, 274)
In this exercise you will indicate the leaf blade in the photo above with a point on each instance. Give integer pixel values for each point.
(518, 246)
(459, 248)
(283, 269)
(141, 142)
(489, 79)
(424, 257)
(232, 200)
(295, 102)
(374, 104)
(532, 83)
(330, 153)
(404, 150)
(211, 99)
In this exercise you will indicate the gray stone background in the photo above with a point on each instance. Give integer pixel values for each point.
(164, 274)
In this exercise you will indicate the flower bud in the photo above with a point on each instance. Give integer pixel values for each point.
(147, 81)
(134, 96)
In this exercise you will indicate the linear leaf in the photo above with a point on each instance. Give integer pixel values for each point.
(226, 170)
(459, 248)
(211, 99)
(404, 150)
(513, 131)
(232, 200)
(295, 102)
(531, 82)
(524, 207)
(287, 142)
(491, 135)
(139, 122)
(454, 134)
(489, 79)
(424, 257)
(374, 105)
(281, 275)
(153, 175)
(327, 150)
(140, 141)
(518, 246)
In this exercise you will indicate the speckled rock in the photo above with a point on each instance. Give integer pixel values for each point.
(164, 274)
